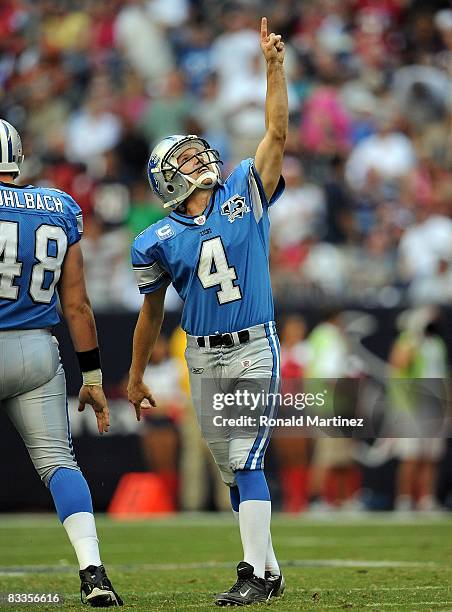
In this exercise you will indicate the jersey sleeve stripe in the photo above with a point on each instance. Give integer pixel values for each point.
(255, 196)
(163, 281)
(154, 286)
(145, 266)
(149, 274)
(79, 219)
(142, 284)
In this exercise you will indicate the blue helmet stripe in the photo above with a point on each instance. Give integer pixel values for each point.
(10, 143)
(6, 149)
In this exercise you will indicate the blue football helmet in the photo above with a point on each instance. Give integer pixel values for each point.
(11, 156)
(168, 179)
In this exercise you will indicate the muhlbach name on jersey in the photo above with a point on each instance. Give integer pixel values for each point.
(24, 199)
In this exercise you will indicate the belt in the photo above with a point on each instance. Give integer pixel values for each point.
(227, 340)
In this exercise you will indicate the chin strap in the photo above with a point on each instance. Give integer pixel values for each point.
(200, 184)
(195, 184)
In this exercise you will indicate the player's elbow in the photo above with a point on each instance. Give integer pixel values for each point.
(277, 135)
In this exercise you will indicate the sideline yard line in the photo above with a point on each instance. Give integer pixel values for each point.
(376, 589)
(43, 569)
(280, 522)
(392, 604)
(319, 605)
(327, 541)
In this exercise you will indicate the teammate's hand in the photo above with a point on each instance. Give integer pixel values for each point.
(95, 397)
(271, 44)
(140, 397)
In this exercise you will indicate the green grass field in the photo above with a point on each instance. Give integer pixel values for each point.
(336, 562)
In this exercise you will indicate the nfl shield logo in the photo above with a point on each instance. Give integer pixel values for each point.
(200, 220)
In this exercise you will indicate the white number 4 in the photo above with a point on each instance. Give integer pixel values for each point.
(9, 266)
(213, 258)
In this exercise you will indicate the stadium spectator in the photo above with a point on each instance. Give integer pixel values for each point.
(234, 50)
(443, 58)
(371, 83)
(435, 288)
(92, 130)
(418, 352)
(170, 111)
(141, 37)
(301, 212)
(327, 367)
(424, 244)
(208, 116)
(107, 275)
(383, 157)
(160, 438)
(291, 450)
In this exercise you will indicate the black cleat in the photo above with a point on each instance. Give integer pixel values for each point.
(275, 585)
(97, 589)
(248, 589)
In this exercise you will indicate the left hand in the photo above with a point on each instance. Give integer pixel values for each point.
(271, 44)
(140, 396)
(95, 397)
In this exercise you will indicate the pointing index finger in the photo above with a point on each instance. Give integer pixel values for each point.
(263, 28)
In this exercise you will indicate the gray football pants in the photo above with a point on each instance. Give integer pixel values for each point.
(252, 367)
(33, 394)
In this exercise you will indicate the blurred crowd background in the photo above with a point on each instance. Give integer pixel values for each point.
(365, 221)
(365, 218)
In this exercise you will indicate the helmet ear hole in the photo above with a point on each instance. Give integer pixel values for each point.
(170, 188)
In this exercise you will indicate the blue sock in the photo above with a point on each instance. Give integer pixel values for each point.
(252, 485)
(70, 493)
(235, 497)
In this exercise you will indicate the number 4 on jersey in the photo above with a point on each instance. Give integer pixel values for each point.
(213, 270)
(9, 266)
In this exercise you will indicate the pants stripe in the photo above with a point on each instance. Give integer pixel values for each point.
(260, 453)
(276, 390)
(69, 435)
(254, 455)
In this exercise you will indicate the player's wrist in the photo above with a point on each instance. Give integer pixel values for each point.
(92, 377)
(274, 62)
(135, 377)
(90, 366)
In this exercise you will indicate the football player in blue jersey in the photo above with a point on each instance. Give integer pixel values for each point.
(214, 248)
(40, 229)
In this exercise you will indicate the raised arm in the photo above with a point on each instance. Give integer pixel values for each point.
(144, 338)
(79, 317)
(269, 154)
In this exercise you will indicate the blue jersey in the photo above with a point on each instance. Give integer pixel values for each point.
(37, 225)
(218, 261)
